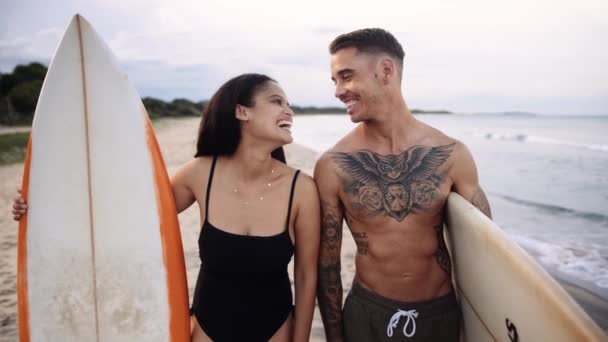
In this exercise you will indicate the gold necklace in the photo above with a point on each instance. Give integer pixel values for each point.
(260, 196)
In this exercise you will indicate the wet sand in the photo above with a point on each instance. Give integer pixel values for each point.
(177, 138)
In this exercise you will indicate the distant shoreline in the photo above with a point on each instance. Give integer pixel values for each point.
(335, 111)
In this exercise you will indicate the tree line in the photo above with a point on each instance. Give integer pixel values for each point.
(19, 91)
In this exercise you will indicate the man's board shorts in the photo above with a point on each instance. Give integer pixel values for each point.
(370, 317)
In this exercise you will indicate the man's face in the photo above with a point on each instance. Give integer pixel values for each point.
(357, 82)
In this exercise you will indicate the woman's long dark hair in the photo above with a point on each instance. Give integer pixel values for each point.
(220, 131)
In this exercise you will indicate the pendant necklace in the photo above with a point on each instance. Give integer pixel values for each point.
(260, 196)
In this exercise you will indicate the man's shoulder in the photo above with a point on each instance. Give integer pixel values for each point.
(348, 142)
(429, 135)
(458, 155)
(433, 137)
(344, 145)
(324, 162)
(327, 165)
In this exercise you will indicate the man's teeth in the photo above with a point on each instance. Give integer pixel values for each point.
(350, 104)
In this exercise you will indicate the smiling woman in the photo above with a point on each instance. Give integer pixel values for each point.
(263, 212)
(256, 214)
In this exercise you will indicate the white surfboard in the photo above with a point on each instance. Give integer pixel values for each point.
(100, 255)
(503, 293)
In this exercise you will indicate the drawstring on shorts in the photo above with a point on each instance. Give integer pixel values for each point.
(411, 317)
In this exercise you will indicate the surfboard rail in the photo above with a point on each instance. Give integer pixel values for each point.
(100, 255)
(505, 295)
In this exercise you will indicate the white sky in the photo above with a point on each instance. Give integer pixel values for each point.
(463, 55)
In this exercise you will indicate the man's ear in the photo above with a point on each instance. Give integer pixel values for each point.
(388, 70)
(241, 113)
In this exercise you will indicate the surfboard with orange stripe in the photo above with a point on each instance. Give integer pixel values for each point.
(100, 255)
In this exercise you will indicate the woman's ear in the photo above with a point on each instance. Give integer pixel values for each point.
(241, 113)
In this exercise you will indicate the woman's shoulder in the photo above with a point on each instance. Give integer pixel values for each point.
(303, 184)
(193, 168)
(202, 161)
(305, 187)
(302, 177)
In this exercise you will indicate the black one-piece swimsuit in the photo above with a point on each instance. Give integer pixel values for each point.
(243, 291)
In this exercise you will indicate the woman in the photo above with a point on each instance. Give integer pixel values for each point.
(256, 212)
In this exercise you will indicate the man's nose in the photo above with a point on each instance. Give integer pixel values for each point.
(339, 91)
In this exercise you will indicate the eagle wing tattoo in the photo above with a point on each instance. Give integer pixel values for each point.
(393, 185)
(360, 166)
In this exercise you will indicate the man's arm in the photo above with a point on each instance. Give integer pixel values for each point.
(329, 292)
(466, 181)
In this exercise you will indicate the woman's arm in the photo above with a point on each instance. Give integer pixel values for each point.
(180, 184)
(182, 192)
(307, 231)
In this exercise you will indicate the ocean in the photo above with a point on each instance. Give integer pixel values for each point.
(546, 178)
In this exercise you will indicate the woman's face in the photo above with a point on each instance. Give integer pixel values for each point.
(270, 117)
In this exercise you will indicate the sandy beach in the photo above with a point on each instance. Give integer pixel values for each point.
(177, 139)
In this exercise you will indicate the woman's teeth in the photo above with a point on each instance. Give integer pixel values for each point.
(285, 124)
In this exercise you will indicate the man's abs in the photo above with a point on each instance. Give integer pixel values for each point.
(403, 263)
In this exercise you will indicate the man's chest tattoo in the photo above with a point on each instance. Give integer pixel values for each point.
(393, 185)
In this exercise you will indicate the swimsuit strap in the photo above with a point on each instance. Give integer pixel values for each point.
(293, 186)
(209, 187)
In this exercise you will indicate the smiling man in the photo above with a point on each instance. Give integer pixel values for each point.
(389, 178)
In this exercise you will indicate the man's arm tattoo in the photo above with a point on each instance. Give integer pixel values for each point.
(330, 301)
(331, 230)
(362, 242)
(441, 254)
(330, 283)
(480, 201)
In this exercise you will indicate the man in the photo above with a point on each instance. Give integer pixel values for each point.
(389, 178)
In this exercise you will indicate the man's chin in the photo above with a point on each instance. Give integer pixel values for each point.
(356, 118)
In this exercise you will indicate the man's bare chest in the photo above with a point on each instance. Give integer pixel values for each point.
(394, 186)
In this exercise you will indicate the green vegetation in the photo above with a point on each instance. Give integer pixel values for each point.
(20, 89)
(342, 110)
(13, 147)
(420, 111)
(19, 92)
(318, 110)
(179, 107)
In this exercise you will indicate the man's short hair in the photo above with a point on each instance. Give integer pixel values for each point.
(370, 40)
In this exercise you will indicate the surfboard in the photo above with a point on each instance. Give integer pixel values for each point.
(503, 293)
(99, 252)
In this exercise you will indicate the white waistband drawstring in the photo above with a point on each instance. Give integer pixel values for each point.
(411, 316)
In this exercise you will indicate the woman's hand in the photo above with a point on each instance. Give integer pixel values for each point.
(19, 206)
